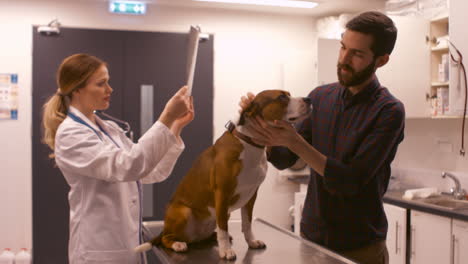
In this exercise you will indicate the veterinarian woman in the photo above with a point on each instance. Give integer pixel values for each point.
(103, 167)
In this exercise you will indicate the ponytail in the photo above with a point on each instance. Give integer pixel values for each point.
(55, 110)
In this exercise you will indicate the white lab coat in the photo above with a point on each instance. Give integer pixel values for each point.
(104, 197)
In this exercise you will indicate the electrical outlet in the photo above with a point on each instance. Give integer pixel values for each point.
(444, 145)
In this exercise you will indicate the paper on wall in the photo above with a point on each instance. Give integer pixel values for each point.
(8, 96)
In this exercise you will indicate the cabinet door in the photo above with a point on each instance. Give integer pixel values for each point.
(430, 238)
(406, 75)
(299, 198)
(458, 36)
(460, 242)
(327, 59)
(396, 235)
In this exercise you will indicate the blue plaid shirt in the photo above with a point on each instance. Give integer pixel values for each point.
(359, 134)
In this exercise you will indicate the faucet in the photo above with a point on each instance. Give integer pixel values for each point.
(457, 191)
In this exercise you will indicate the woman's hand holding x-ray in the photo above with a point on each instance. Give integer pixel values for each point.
(184, 120)
(178, 111)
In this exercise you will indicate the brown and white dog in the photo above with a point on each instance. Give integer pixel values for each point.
(225, 177)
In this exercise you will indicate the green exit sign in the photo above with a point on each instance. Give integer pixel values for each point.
(127, 7)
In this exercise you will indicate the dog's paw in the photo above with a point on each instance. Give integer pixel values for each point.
(179, 246)
(256, 244)
(228, 254)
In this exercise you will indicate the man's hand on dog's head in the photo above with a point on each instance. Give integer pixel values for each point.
(281, 133)
(245, 101)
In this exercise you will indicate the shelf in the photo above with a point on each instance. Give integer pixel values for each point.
(438, 84)
(447, 117)
(442, 19)
(440, 49)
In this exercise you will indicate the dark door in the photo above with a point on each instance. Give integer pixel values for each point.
(50, 204)
(161, 61)
(133, 58)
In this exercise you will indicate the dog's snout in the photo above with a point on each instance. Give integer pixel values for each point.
(307, 100)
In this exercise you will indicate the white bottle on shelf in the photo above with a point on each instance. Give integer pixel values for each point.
(7, 257)
(23, 257)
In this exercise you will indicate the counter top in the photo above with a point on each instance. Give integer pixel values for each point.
(395, 198)
(282, 247)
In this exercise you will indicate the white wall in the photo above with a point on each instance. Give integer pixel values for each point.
(277, 45)
(430, 147)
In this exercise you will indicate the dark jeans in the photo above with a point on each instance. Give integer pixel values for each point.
(375, 253)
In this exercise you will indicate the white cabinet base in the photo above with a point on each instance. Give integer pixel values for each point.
(299, 198)
(396, 235)
(430, 238)
(460, 242)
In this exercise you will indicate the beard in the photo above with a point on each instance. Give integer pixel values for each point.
(355, 78)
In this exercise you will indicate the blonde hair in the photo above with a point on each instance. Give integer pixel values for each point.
(73, 74)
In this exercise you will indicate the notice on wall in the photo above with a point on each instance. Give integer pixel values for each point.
(8, 96)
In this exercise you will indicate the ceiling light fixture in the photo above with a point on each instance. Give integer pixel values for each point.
(282, 3)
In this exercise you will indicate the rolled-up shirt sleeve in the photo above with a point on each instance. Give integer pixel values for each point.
(377, 147)
(283, 158)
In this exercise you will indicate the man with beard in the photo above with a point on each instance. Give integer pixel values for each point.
(349, 141)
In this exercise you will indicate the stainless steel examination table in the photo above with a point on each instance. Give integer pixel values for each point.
(283, 247)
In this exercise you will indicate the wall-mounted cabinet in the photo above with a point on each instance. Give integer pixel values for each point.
(447, 81)
(439, 66)
(420, 72)
(405, 75)
(459, 37)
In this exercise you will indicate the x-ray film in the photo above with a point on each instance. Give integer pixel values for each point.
(194, 38)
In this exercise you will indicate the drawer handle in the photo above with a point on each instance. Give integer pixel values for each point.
(413, 242)
(396, 238)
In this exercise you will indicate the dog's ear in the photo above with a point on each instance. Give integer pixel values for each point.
(251, 111)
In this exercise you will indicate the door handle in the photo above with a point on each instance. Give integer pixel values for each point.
(454, 248)
(413, 242)
(396, 238)
(146, 107)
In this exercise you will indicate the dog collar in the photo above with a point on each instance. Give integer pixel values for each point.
(231, 127)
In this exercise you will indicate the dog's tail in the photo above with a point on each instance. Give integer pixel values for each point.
(148, 245)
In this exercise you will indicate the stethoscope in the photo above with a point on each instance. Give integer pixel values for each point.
(126, 126)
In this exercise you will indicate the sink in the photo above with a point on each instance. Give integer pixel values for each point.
(446, 202)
